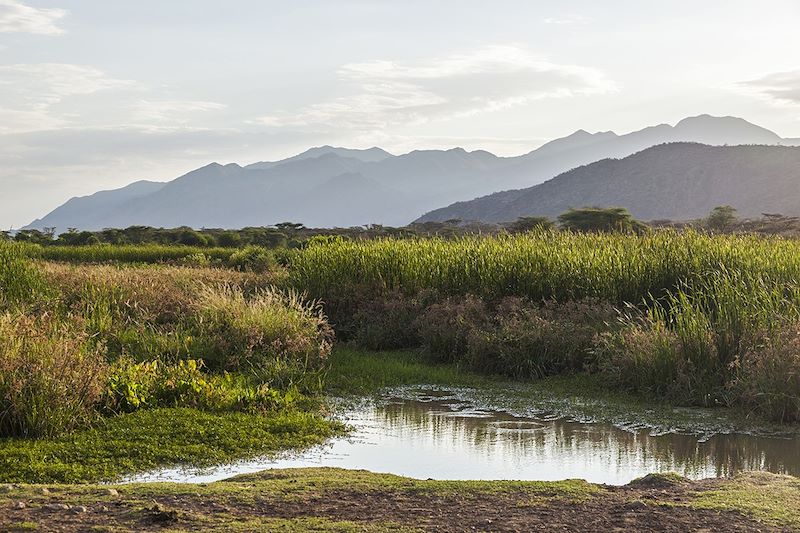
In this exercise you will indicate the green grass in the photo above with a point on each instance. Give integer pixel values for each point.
(149, 439)
(355, 371)
(768, 497)
(544, 264)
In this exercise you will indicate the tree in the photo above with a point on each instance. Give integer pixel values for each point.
(608, 219)
(721, 218)
(229, 239)
(524, 224)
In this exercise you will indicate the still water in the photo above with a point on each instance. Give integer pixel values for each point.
(443, 434)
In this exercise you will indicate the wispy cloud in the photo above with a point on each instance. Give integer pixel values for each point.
(16, 17)
(29, 93)
(780, 87)
(384, 93)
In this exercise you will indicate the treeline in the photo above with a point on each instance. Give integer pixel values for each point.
(287, 234)
(722, 219)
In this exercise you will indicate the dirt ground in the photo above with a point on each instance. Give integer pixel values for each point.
(332, 500)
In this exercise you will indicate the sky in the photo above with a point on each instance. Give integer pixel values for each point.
(96, 94)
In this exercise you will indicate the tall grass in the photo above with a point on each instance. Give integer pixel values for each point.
(51, 377)
(21, 282)
(544, 264)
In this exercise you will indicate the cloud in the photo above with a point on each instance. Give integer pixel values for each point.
(565, 20)
(30, 92)
(16, 17)
(153, 113)
(384, 93)
(780, 87)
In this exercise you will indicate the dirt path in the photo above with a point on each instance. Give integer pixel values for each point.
(336, 500)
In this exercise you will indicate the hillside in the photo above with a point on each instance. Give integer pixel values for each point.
(671, 181)
(329, 186)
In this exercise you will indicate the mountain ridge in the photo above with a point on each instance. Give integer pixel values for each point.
(407, 185)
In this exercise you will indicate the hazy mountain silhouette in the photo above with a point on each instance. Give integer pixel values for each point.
(330, 186)
(676, 181)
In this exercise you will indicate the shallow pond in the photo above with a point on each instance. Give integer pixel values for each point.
(449, 434)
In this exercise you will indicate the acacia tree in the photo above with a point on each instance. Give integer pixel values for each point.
(721, 218)
(523, 224)
(605, 219)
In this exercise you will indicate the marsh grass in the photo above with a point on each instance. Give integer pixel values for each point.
(51, 377)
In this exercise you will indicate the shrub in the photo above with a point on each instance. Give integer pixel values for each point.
(284, 338)
(51, 377)
(445, 327)
(767, 377)
(525, 340)
(252, 259)
(389, 321)
(133, 386)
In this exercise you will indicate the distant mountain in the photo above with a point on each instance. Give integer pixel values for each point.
(368, 155)
(331, 186)
(676, 181)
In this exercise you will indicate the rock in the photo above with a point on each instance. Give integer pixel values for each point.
(57, 507)
(78, 509)
(20, 505)
(111, 492)
(104, 509)
(44, 490)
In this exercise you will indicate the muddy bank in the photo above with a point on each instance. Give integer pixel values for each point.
(343, 500)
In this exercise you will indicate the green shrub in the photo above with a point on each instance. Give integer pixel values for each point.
(275, 333)
(766, 378)
(152, 384)
(51, 377)
(252, 259)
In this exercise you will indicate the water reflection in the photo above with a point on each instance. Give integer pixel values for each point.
(436, 434)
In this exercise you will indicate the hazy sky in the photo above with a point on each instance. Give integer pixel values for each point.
(95, 94)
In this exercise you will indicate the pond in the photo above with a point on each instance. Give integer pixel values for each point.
(442, 433)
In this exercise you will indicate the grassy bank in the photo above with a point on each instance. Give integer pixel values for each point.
(341, 500)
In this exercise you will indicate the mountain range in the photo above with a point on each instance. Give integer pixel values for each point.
(328, 186)
(678, 181)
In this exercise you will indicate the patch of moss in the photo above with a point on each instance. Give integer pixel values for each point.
(149, 439)
(772, 498)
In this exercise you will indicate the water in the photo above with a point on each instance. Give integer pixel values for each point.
(444, 434)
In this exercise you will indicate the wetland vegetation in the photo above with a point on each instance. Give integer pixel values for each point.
(118, 359)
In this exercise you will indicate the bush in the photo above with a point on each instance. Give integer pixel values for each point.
(51, 377)
(767, 378)
(445, 327)
(252, 259)
(277, 334)
(525, 340)
(389, 321)
(153, 384)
